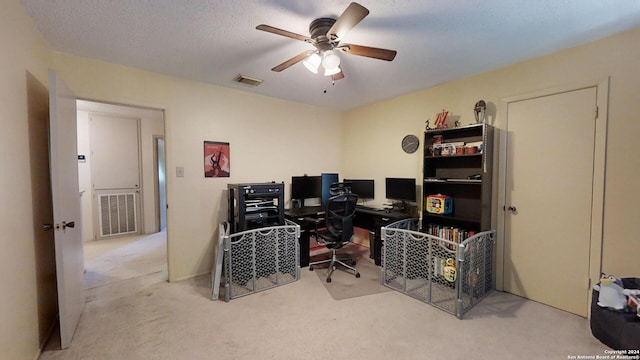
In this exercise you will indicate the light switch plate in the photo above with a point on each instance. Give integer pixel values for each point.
(179, 171)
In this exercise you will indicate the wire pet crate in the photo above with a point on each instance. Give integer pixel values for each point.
(256, 260)
(451, 276)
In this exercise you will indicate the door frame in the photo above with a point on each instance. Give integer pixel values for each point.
(156, 174)
(599, 166)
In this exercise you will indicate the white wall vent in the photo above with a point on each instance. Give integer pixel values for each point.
(117, 214)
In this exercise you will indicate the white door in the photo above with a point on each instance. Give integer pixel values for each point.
(66, 206)
(115, 174)
(115, 152)
(549, 194)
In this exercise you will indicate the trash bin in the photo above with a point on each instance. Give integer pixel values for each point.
(617, 329)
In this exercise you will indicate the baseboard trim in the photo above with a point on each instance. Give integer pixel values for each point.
(38, 353)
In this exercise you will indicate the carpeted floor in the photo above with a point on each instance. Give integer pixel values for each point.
(112, 260)
(146, 317)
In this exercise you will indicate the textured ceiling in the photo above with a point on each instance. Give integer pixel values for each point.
(214, 40)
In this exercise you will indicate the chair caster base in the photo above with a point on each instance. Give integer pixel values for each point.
(329, 280)
(357, 275)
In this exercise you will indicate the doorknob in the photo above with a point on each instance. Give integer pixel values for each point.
(47, 227)
(511, 209)
(70, 224)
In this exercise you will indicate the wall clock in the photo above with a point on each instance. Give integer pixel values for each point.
(410, 144)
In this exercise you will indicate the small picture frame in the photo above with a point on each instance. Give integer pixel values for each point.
(217, 159)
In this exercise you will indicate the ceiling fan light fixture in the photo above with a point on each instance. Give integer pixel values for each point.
(329, 72)
(312, 63)
(330, 60)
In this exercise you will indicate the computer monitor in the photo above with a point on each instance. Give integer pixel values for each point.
(306, 187)
(327, 180)
(402, 189)
(364, 188)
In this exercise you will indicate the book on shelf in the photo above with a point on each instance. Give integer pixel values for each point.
(451, 233)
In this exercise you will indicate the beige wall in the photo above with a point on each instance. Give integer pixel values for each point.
(270, 140)
(24, 54)
(372, 148)
(273, 140)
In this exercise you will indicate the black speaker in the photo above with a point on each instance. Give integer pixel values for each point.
(296, 204)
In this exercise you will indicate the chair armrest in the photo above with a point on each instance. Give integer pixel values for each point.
(316, 221)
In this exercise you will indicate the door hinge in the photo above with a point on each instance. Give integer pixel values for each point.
(597, 112)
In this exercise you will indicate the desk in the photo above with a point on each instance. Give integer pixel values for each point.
(373, 219)
(368, 218)
(305, 217)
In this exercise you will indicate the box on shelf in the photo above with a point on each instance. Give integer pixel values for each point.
(446, 149)
(439, 204)
(473, 147)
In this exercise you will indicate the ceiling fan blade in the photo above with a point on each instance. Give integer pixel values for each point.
(338, 76)
(294, 60)
(353, 14)
(289, 34)
(376, 53)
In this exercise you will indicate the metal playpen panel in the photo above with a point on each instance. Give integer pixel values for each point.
(448, 275)
(256, 260)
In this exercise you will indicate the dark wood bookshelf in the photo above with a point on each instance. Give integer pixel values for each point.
(465, 177)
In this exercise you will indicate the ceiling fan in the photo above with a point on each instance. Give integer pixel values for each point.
(325, 35)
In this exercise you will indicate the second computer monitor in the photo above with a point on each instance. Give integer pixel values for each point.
(402, 189)
(306, 187)
(327, 180)
(364, 188)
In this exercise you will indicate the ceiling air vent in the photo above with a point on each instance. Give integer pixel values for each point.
(246, 80)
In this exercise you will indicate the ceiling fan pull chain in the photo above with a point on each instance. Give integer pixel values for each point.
(333, 83)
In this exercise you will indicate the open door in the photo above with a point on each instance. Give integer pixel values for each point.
(63, 160)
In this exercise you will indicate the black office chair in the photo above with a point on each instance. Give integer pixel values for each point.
(339, 213)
